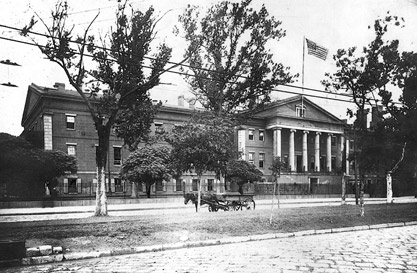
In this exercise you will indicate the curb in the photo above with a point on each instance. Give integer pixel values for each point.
(180, 245)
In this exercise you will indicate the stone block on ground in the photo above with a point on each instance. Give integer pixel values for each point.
(45, 250)
(57, 250)
(32, 251)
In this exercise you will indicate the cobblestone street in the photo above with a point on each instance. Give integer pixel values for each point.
(384, 250)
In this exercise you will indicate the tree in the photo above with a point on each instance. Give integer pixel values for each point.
(276, 168)
(366, 77)
(232, 69)
(148, 164)
(203, 144)
(117, 84)
(242, 172)
(25, 169)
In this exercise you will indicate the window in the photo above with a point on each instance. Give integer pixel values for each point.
(300, 111)
(251, 134)
(118, 186)
(178, 185)
(70, 122)
(261, 135)
(71, 149)
(351, 144)
(333, 138)
(251, 157)
(210, 183)
(72, 185)
(195, 185)
(117, 155)
(159, 186)
(261, 160)
(159, 129)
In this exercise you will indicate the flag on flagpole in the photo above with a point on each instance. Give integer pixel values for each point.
(316, 50)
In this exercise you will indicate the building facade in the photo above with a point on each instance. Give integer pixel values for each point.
(305, 136)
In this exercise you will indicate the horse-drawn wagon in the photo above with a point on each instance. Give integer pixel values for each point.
(223, 202)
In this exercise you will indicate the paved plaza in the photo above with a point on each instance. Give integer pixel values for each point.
(384, 250)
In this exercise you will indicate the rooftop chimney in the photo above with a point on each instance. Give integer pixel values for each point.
(181, 100)
(59, 86)
(192, 103)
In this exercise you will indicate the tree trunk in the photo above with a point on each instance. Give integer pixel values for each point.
(133, 195)
(101, 158)
(344, 189)
(362, 201)
(389, 187)
(272, 202)
(101, 198)
(199, 193)
(148, 190)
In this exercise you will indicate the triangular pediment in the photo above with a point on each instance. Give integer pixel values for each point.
(32, 97)
(291, 108)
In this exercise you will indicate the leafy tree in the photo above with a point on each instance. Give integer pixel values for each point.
(25, 169)
(117, 82)
(276, 167)
(365, 77)
(148, 164)
(242, 172)
(232, 69)
(203, 144)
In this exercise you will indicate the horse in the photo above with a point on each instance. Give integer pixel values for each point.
(210, 200)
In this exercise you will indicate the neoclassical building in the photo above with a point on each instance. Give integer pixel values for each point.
(309, 139)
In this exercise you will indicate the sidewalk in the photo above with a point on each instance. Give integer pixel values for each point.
(180, 205)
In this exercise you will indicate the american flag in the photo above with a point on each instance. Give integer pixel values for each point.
(316, 50)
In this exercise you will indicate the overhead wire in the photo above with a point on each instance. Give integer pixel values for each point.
(169, 62)
(192, 67)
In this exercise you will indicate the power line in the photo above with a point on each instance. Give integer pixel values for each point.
(186, 74)
(175, 63)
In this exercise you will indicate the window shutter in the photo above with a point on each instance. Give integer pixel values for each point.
(107, 184)
(191, 184)
(94, 185)
(65, 185)
(206, 185)
(112, 186)
(124, 185)
(79, 189)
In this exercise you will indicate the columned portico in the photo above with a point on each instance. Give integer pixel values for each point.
(305, 154)
(291, 151)
(317, 152)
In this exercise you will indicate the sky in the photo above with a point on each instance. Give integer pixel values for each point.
(331, 24)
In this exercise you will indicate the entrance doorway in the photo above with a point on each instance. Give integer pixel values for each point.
(299, 163)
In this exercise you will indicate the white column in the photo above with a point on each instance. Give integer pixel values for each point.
(347, 156)
(317, 152)
(329, 152)
(340, 149)
(241, 138)
(292, 150)
(305, 155)
(277, 142)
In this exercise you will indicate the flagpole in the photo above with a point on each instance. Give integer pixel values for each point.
(302, 76)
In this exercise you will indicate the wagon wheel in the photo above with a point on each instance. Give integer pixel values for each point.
(236, 205)
(250, 204)
(212, 208)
